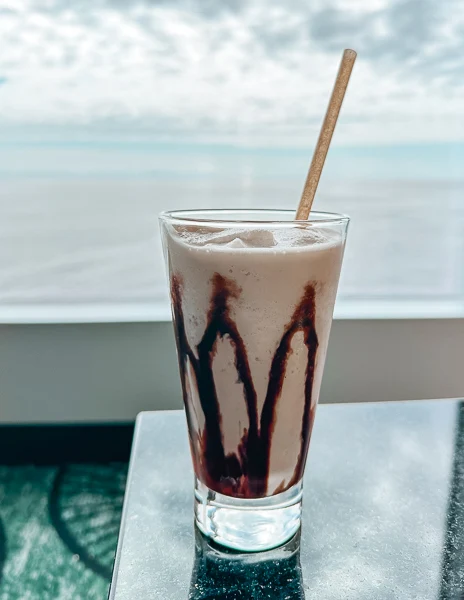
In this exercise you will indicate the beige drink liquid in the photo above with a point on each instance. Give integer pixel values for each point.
(252, 315)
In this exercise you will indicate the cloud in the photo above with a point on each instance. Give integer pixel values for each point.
(257, 72)
(421, 36)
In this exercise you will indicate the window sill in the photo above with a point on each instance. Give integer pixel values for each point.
(24, 314)
(68, 364)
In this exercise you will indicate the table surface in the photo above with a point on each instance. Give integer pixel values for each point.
(383, 513)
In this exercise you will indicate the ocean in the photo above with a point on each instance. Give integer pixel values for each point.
(74, 240)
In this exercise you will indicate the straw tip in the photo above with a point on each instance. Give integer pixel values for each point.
(350, 53)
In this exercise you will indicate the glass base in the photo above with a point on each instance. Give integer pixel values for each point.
(248, 525)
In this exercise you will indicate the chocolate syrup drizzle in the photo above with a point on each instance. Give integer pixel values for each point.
(243, 474)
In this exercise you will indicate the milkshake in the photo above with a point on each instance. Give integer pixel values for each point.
(252, 309)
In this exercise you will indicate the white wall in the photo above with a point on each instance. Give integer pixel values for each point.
(111, 371)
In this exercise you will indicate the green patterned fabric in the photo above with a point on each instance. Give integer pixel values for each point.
(58, 530)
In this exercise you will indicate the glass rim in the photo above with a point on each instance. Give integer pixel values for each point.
(204, 216)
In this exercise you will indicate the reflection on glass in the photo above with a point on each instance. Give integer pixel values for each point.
(452, 582)
(219, 574)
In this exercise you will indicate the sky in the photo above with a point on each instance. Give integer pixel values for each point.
(251, 73)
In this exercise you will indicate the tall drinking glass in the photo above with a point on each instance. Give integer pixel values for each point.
(252, 293)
